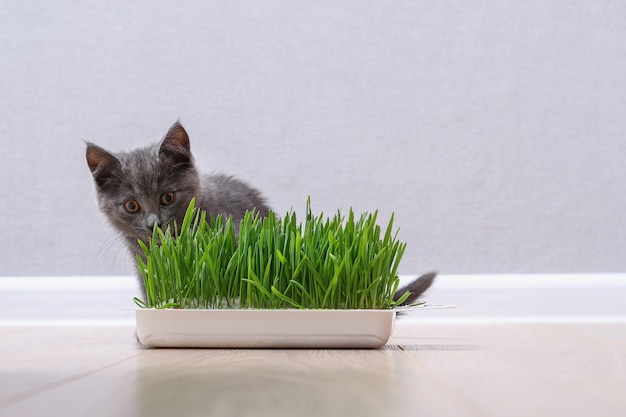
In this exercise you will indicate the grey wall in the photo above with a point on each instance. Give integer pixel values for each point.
(494, 130)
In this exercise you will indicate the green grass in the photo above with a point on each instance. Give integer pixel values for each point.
(272, 263)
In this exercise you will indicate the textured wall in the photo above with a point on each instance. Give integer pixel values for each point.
(494, 130)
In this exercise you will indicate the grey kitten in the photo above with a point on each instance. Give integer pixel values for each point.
(155, 184)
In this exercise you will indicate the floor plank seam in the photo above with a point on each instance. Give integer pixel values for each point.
(21, 396)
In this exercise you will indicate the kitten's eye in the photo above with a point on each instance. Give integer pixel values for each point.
(131, 206)
(167, 198)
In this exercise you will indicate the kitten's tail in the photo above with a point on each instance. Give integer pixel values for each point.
(417, 287)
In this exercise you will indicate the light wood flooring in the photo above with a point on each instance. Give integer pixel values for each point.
(430, 369)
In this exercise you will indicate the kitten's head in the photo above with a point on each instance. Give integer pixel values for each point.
(145, 186)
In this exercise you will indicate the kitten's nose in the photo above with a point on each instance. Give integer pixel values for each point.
(151, 220)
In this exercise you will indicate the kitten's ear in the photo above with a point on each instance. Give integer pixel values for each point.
(102, 164)
(176, 145)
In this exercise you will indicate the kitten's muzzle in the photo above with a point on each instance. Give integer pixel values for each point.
(151, 220)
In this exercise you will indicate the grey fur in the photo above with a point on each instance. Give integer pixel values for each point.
(417, 288)
(143, 175)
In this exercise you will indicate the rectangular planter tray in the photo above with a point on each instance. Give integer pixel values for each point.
(239, 328)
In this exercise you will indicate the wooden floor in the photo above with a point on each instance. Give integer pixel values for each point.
(433, 369)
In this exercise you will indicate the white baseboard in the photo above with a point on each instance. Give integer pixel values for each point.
(499, 281)
(530, 281)
(553, 298)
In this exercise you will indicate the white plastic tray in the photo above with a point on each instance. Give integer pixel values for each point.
(223, 328)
